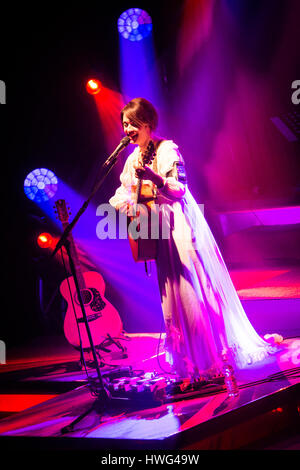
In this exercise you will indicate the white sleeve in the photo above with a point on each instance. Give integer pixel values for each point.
(167, 156)
(123, 193)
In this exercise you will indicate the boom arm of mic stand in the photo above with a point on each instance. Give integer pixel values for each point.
(108, 166)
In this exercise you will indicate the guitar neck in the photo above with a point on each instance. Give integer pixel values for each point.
(75, 257)
(138, 191)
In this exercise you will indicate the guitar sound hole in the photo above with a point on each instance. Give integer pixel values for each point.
(86, 295)
(91, 297)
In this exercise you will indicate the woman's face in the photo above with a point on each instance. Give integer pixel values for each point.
(139, 134)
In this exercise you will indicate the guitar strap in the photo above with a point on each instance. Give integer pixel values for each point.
(155, 164)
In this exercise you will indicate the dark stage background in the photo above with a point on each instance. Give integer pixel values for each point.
(222, 80)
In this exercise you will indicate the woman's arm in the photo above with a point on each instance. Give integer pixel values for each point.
(122, 197)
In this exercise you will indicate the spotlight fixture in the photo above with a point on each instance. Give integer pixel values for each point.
(40, 185)
(134, 24)
(93, 86)
(45, 240)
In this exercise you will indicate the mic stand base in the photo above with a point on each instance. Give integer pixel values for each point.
(99, 405)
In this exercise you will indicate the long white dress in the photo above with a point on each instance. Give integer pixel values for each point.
(203, 315)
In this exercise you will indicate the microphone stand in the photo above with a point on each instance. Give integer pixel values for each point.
(101, 392)
(108, 166)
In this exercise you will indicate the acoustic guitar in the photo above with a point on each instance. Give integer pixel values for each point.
(143, 249)
(103, 318)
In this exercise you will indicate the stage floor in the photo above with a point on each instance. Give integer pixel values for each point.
(44, 389)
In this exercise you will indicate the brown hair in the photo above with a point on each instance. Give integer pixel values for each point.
(141, 111)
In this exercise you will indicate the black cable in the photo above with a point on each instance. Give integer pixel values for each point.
(113, 340)
(157, 352)
(148, 273)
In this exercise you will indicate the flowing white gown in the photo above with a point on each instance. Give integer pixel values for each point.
(203, 315)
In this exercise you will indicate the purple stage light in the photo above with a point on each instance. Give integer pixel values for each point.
(40, 185)
(134, 24)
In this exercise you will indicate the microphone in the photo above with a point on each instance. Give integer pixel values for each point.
(124, 142)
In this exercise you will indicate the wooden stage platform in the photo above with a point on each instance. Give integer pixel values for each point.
(44, 389)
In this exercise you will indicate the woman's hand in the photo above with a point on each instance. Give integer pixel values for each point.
(146, 173)
(143, 172)
(124, 207)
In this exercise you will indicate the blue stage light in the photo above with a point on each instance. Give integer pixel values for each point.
(135, 24)
(40, 185)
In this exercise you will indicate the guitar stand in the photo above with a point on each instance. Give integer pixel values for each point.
(112, 341)
(100, 347)
(90, 363)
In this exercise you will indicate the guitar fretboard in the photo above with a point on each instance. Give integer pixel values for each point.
(75, 257)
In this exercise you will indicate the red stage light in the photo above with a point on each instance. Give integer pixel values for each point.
(93, 86)
(277, 410)
(45, 240)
